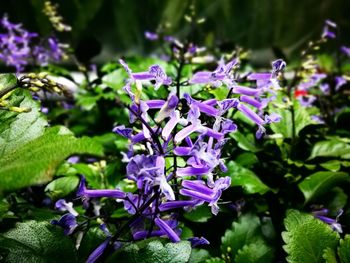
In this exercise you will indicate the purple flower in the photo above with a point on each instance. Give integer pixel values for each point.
(62, 205)
(197, 189)
(148, 171)
(339, 82)
(15, 44)
(221, 75)
(154, 73)
(121, 130)
(196, 241)
(322, 215)
(172, 235)
(345, 50)
(86, 193)
(329, 29)
(98, 251)
(152, 36)
(67, 222)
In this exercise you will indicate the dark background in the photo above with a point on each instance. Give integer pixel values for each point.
(119, 25)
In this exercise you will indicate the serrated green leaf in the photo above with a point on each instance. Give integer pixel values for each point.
(19, 128)
(245, 231)
(320, 182)
(245, 178)
(62, 187)
(331, 148)
(344, 249)
(153, 251)
(257, 252)
(329, 255)
(198, 255)
(306, 237)
(35, 242)
(36, 161)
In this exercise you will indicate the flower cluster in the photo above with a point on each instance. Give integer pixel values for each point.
(18, 47)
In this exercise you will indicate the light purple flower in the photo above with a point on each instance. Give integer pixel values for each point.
(329, 29)
(94, 256)
(62, 205)
(221, 75)
(196, 241)
(339, 82)
(152, 36)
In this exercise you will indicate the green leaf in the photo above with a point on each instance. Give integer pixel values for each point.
(331, 148)
(34, 242)
(320, 182)
(91, 240)
(62, 187)
(199, 255)
(36, 161)
(329, 255)
(245, 142)
(245, 178)
(332, 165)
(247, 159)
(153, 251)
(200, 215)
(344, 249)
(245, 231)
(306, 237)
(285, 127)
(257, 252)
(19, 128)
(7, 80)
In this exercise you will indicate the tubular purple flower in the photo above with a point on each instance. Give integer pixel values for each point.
(259, 76)
(202, 106)
(94, 256)
(329, 29)
(168, 128)
(186, 132)
(177, 204)
(228, 104)
(191, 171)
(167, 230)
(250, 114)
(143, 234)
(251, 101)
(155, 104)
(246, 91)
(85, 193)
(339, 82)
(273, 117)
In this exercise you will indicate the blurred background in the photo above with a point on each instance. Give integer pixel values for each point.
(107, 28)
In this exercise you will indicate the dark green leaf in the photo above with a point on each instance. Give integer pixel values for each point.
(245, 178)
(331, 148)
(245, 142)
(200, 215)
(153, 251)
(7, 80)
(34, 242)
(320, 182)
(306, 238)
